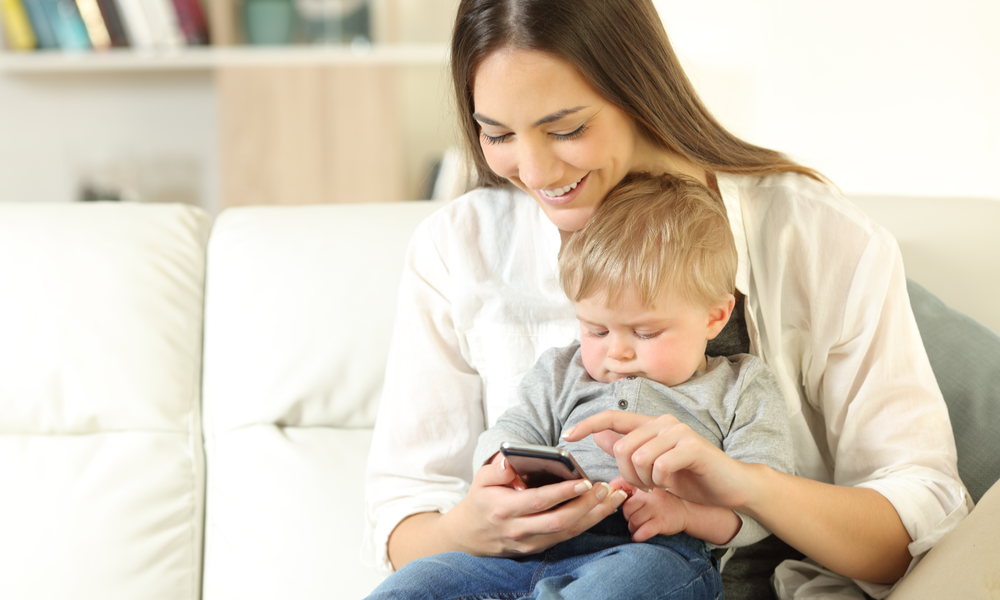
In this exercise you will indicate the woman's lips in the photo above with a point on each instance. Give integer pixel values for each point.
(565, 198)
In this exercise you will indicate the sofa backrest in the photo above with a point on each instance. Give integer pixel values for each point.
(101, 461)
(299, 310)
(950, 246)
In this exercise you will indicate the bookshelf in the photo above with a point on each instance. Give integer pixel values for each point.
(209, 58)
(300, 124)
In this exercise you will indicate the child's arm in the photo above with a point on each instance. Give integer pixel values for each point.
(542, 406)
(659, 512)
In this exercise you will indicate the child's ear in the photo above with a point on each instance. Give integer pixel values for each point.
(718, 315)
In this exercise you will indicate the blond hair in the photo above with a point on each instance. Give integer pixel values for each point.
(621, 48)
(654, 235)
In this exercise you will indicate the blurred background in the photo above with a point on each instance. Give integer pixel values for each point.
(307, 101)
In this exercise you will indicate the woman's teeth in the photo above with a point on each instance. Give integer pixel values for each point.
(555, 193)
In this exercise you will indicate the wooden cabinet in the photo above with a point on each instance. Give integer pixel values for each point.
(310, 134)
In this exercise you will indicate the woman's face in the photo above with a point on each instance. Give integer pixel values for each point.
(548, 131)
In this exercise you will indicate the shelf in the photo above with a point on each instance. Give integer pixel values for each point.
(209, 58)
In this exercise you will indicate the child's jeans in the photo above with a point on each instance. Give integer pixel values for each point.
(600, 564)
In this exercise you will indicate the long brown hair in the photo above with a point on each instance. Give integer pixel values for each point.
(621, 48)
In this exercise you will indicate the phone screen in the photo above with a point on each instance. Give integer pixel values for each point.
(536, 472)
(541, 465)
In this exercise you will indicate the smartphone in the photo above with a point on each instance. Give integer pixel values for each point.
(541, 465)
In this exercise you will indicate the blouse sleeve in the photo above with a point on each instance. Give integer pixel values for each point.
(431, 409)
(887, 425)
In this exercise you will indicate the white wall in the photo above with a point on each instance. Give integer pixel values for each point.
(157, 130)
(888, 96)
(884, 97)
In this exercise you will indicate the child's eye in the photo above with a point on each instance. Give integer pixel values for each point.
(597, 334)
(647, 336)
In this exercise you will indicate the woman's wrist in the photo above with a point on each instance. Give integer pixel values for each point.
(760, 480)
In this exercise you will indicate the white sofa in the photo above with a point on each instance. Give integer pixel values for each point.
(186, 406)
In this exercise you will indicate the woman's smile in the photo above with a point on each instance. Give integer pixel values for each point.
(562, 195)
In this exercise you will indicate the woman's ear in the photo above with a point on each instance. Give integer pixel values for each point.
(718, 315)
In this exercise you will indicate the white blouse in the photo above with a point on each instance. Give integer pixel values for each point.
(826, 308)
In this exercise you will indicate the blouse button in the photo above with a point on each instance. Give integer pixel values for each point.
(623, 404)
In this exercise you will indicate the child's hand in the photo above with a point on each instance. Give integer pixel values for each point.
(652, 513)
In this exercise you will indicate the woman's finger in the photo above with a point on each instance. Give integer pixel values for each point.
(606, 440)
(615, 420)
(570, 519)
(496, 471)
(624, 450)
(537, 500)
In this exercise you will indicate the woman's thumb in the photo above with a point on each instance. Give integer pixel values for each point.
(606, 439)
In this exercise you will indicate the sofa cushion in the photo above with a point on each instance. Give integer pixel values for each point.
(965, 563)
(101, 458)
(299, 311)
(965, 357)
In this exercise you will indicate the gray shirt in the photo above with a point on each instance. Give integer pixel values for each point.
(735, 404)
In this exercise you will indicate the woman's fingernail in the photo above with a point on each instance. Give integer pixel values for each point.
(603, 489)
(619, 497)
(583, 486)
(503, 463)
(568, 432)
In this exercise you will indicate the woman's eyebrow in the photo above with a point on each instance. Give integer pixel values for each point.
(546, 119)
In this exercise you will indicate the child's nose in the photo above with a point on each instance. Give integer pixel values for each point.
(619, 350)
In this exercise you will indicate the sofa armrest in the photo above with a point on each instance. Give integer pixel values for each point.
(964, 564)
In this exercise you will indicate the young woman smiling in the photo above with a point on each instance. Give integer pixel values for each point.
(558, 100)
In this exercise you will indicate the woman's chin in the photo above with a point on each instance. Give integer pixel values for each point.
(569, 219)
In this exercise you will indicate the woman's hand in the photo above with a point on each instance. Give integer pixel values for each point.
(664, 453)
(494, 519)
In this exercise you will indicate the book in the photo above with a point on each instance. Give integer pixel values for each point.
(163, 23)
(113, 21)
(44, 35)
(191, 19)
(93, 20)
(135, 23)
(66, 24)
(16, 26)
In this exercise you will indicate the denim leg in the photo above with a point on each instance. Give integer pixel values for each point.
(678, 568)
(602, 564)
(456, 575)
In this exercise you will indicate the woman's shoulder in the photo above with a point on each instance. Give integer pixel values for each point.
(800, 198)
(486, 229)
(483, 206)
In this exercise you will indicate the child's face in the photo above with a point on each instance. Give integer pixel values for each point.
(665, 343)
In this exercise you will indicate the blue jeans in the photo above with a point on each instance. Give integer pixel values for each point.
(600, 564)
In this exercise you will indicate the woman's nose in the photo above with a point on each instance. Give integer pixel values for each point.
(537, 166)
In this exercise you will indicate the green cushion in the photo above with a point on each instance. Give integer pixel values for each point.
(965, 357)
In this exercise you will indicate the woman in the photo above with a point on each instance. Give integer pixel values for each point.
(558, 100)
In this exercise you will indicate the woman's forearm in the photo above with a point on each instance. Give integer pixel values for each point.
(416, 536)
(853, 531)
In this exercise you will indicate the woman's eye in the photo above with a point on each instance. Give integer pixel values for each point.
(495, 139)
(571, 135)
